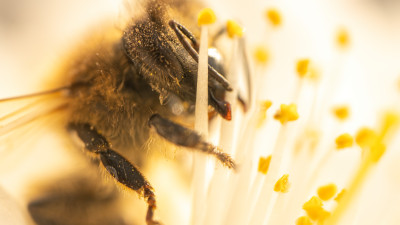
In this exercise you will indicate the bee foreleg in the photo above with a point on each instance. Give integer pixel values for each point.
(186, 137)
(121, 169)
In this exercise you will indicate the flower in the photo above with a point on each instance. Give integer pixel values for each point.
(348, 55)
(316, 63)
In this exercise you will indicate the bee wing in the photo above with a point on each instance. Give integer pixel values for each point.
(20, 111)
(22, 118)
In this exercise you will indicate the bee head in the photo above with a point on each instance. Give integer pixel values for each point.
(158, 52)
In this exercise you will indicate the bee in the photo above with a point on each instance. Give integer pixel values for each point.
(114, 96)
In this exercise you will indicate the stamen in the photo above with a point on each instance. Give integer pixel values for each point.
(282, 185)
(341, 112)
(366, 137)
(274, 17)
(342, 38)
(327, 192)
(287, 113)
(302, 67)
(314, 209)
(344, 141)
(234, 29)
(263, 164)
(206, 17)
(261, 55)
(201, 120)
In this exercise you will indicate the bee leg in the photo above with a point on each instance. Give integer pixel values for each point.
(186, 137)
(121, 169)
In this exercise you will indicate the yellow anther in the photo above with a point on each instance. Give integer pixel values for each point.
(274, 17)
(282, 185)
(341, 112)
(340, 195)
(302, 67)
(287, 113)
(206, 17)
(263, 164)
(326, 192)
(261, 55)
(314, 208)
(303, 220)
(234, 29)
(390, 120)
(264, 106)
(313, 203)
(342, 38)
(344, 141)
(366, 137)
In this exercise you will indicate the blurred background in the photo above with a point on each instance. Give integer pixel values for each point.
(36, 35)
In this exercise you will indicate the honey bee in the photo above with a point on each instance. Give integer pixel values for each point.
(133, 84)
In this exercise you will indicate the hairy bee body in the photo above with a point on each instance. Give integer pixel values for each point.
(121, 81)
(115, 84)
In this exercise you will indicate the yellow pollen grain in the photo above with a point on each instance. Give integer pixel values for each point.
(302, 67)
(263, 164)
(234, 29)
(327, 192)
(261, 55)
(274, 17)
(264, 106)
(342, 38)
(314, 209)
(287, 113)
(366, 137)
(344, 141)
(206, 17)
(340, 195)
(341, 112)
(282, 185)
(303, 220)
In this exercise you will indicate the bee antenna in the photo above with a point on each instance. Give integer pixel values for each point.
(35, 94)
(179, 29)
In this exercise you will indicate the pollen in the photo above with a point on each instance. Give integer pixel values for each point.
(261, 55)
(287, 113)
(343, 38)
(326, 192)
(263, 164)
(315, 210)
(282, 185)
(344, 141)
(234, 29)
(303, 220)
(206, 17)
(302, 67)
(341, 112)
(366, 137)
(274, 17)
(340, 195)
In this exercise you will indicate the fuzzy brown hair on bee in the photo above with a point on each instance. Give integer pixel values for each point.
(123, 89)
